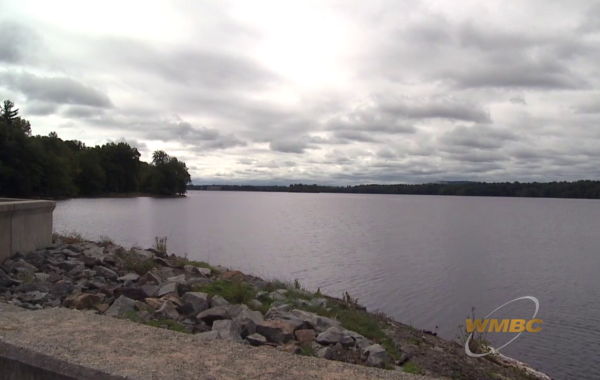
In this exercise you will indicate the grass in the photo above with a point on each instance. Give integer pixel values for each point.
(307, 350)
(132, 316)
(410, 367)
(134, 262)
(160, 244)
(171, 325)
(67, 237)
(233, 291)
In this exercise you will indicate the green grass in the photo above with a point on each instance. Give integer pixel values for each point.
(132, 316)
(135, 263)
(410, 367)
(307, 350)
(293, 295)
(233, 291)
(172, 325)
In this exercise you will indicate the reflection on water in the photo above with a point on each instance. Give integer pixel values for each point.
(422, 259)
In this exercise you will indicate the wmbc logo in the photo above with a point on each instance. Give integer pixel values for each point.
(504, 325)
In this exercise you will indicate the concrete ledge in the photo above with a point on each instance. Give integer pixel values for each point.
(71, 344)
(25, 225)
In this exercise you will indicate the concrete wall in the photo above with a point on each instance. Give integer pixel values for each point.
(24, 226)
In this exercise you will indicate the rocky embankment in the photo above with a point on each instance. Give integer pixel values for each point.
(166, 291)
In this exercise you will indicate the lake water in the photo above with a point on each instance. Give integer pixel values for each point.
(425, 260)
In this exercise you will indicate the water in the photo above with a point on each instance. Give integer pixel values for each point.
(424, 260)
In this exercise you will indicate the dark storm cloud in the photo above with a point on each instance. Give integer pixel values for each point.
(17, 43)
(59, 90)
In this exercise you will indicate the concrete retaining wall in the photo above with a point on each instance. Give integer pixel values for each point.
(24, 226)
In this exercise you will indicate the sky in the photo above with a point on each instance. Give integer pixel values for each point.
(330, 92)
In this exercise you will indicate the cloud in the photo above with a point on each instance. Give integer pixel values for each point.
(17, 43)
(289, 146)
(58, 90)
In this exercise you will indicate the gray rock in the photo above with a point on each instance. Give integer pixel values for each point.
(278, 315)
(170, 287)
(346, 341)
(43, 277)
(24, 266)
(204, 271)
(318, 302)
(216, 301)
(256, 339)
(281, 306)
(37, 258)
(213, 314)
(61, 289)
(262, 294)
(150, 278)
(69, 253)
(325, 353)
(191, 269)
(246, 319)
(228, 330)
(376, 356)
(197, 280)
(121, 306)
(76, 272)
(318, 323)
(168, 311)
(277, 295)
(209, 335)
(198, 301)
(276, 331)
(70, 264)
(150, 290)
(106, 273)
(89, 262)
(144, 316)
(6, 281)
(129, 277)
(255, 304)
(177, 279)
(332, 335)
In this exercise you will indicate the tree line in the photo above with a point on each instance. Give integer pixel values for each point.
(49, 167)
(577, 189)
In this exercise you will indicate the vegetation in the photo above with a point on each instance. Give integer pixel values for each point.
(410, 367)
(170, 324)
(105, 240)
(67, 237)
(233, 291)
(160, 243)
(577, 189)
(49, 167)
(135, 262)
(478, 343)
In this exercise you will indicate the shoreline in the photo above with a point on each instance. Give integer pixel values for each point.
(152, 287)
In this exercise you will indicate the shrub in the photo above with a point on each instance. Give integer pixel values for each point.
(160, 244)
(67, 237)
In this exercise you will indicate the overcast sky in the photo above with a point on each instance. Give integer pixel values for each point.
(339, 92)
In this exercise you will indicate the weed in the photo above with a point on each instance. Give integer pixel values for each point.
(348, 300)
(297, 284)
(318, 293)
(307, 350)
(105, 240)
(171, 325)
(67, 237)
(132, 316)
(410, 367)
(160, 243)
(233, 291)
(134, 262)
(478, 343)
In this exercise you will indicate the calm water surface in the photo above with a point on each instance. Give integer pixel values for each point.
(422, 259)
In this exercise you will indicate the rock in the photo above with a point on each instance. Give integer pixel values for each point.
(233, 275)
(106, 273)
(170, 287)
(54, 277)
(255, 304)
(102, 307)
(76, 272)
(216, 301)
(61, 289)
(278, 315)
(129, 277)
(134, 293)
(167, 311)
(262, 294)
(173, 297)
(154, 303)
(150, 290)
(144, 316)
(83, 301)
(89, 262)
(334, 335)
(228, 330)
(6, 281)
(73, 248)
(318, 302)
(161, 262)
(198, 301)
(69, 253)
(151, 278)
(36, 258)
(256, 339)
(177, 279)
(305, 336)
(245, 318)
(191, 269)
(277, 295)
(43, 277)
(70, 265)
(291, 348)
(121, 306)
(376, 356)
(24, 266)
(34, 297)
(276, 331)
(346, 341)
(213, 314)
(318, 323)
(196, 280)
(209, 335)
(325, 353)
(204, 271)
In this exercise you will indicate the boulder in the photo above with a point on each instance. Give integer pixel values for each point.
(24, 266)
(6, 281)
(83, 300)
(197, 300)
(37, 258)
(291, 348)
(121, 306)
(245, 318)
(134, 293)
(167, 311)
(42, 277)
(209, 335)
(333, 335)
(149, 278)
(325, 353)
(233, 275)
(144, 316)
(318, 302)
(150, 290)
(61, 289)
(213, 314)
(305, 336)
(102, 307)
(256, 339)
(154, 303)
(277, 295)
(278, 315)
(170, 287)
(177, 279)
(69, 253)
(255, 304)
(217, 301)
(228, 330)
(276, 331)
(89, 262)
(191, 269)
(204, 271)
(375, 356)
(71, 264)
(319, 323)
(173, 297)
(129, 277)
(106, 273)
